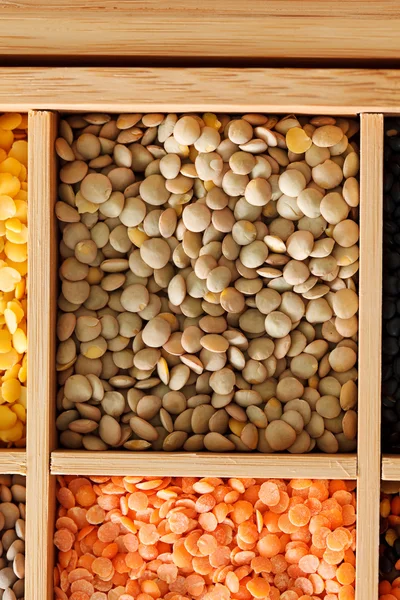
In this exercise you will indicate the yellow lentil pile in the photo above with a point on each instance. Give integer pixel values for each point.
(13, 274)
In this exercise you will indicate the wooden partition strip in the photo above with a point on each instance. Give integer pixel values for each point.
(369, 358)
(303, 91)
(13, 461)
(41, 351)
(391, 467)
(317, 466)
(277, 29)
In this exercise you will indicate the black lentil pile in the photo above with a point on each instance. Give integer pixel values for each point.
(391, 290)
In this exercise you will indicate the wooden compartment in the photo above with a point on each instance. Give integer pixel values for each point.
(333, 92)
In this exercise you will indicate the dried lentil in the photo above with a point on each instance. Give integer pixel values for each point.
(209, 291)
(180, 538)
(12, 532)
(13, 279)
(391, 306)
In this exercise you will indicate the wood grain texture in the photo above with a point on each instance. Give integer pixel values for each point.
(320, 466)
(391, 467)
(369, 357)
(13, 462)
(41, 351)
(277, 29)
(307, 91)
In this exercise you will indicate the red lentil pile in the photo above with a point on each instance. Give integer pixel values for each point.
(184, 538)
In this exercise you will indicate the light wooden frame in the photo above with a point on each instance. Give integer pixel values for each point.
(307, 91)
(280, 30)
(42, 294)
(225, 90)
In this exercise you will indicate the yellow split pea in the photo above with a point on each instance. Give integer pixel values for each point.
(13, 272)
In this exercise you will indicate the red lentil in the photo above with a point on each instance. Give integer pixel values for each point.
(205, 539)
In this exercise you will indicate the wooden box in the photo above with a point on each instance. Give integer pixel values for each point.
(45, 92)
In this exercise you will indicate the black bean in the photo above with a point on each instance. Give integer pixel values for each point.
(394, 441)
(390, 346)
(393, 260)
(396, 213)
(388, 204)
(390, 285)
(386, 372)
(393, 326)
(390, 227)
(394, 143)
(395, 192)
(388, 308)
(388, 401)
(395, 168)
(385, 565)
(388, 181)
(389, 415)
(383, 526)
(390, 387)
(391, 554)
(387, 152)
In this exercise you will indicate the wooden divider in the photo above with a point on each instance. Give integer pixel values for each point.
(391, 467)
(147, 89)
(316, 466)
(180, 29)
(13, 461)
(369, 356)
(41, 352)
